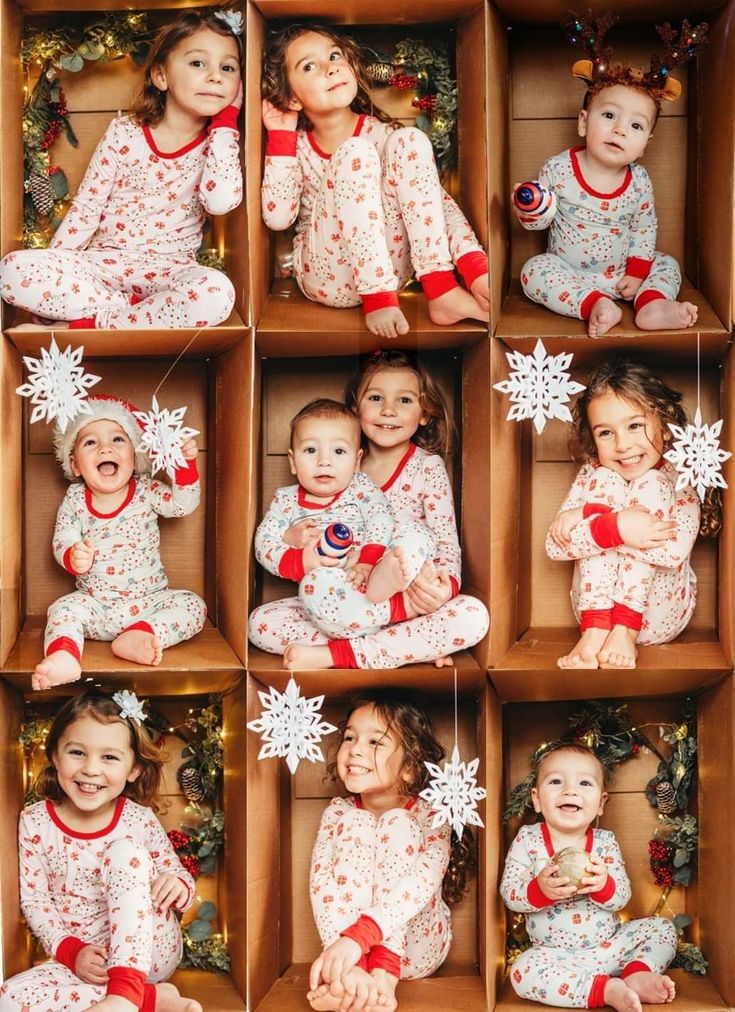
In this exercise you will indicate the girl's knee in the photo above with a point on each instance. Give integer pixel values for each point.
(475, 619)
(128, 854)
(406, 139)
(356, 147)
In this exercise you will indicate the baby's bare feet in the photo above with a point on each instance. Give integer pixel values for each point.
(665, 314)
(58, 668)
(455, 305)
(388, 577)
(322, 1000)
(305, 658)
(605, 314)
(388, 322)
(584, 653)
(619, 649)
(480, 288)
(168, 999)
(621, 997)
(138, 646)
(652, 988)
(443, 662)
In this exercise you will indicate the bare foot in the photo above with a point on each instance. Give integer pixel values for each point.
(619, 650)
(138, 646)
(390, 576)
(168, 999)
(455, 305)
(54, 325)
(113, 1003)
(386, 984)
(442, 662)
(303, 658)
(321, 999)
(480, 288)
(605, 314)
(388, 322)
(665, 314)
(58, 668)
(652, 988)
(621, 997)
(584, 653)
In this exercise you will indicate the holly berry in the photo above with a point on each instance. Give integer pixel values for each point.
(178, 839)
(404, 82)
(427, 103)
(191, 864)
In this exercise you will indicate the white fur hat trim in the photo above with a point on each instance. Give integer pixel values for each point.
(115, 410)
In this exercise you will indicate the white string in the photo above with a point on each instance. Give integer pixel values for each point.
(456, 739)
(698, 405)
(177, 360)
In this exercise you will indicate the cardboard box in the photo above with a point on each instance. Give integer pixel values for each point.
(283, 814)
(217, 993)
(278, 309)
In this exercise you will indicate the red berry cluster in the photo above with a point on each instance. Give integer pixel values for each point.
(635, 748)
(661, 862)
(191, 864)
(404, 82)
(178, 839)
(58, 111)
(427, 103)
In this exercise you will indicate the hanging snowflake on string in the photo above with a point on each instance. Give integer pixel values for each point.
(163, 436)
(453, 794)
(291, 726)
(539, 386)
(697, 456)
(57, 385)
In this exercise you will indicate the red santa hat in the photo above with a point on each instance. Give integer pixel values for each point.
(102, 406)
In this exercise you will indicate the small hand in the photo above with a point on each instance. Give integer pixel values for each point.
(640, 529)
(562, 525)
(334, 962)
(521, 215)
(430, 590)
(306, 532)
(553, 885)
(313, 560)
(82, 556)
(189, 449)
(628, 286)
(237, 101)
(358, 575)
(278, 119)
(91, 965)
(596, 876)
(168, 891)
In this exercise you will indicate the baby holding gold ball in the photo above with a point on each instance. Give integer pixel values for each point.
(569, 879)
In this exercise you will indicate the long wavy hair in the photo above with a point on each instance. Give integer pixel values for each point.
(406, 718)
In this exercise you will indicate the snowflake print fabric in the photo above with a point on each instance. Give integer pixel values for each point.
(163, 436)
(539, 386)
(453, 793)
(57, 385)
(291, 726)
(697, 455)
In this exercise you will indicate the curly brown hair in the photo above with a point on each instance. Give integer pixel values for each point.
(150, 103)
(638, 385)
(148, 757)
(403, 714)
(437, 436)
(324, 407)
(275, 85)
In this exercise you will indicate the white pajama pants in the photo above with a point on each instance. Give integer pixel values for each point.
(666, 597)
(564, 977)
(134, 934)
(61, 284)
(375, 220)
(370, 870)
(174, 616)
(562, 287)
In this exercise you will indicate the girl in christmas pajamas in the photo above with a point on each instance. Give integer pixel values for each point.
(581, 956)
(628, 529)
(599, 210)
(381, 876)
(365, 195)
(124, 256)
(99, 879)
(107, 536)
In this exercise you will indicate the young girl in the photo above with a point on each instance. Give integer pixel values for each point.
(381, 877)
(100, 883)
(407, 428)
(581, 955)
(365, 194)
(623, 522)
(124, 256)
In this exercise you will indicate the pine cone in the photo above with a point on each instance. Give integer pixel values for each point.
(665, 798)
(190, 781)
(380, 73)
(42, 193)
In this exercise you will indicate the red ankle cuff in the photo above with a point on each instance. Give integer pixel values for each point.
(645, 297)
(595, 619)
(623, 615)
(596, 998)
(86, 323)
(342, 654)
(126, 982)
(585, 309)
(379, 300)
(142, 626)
(637, 966)
(437, 283)
(472, 266)
(64, 643)
(149, 998)
(398, 608)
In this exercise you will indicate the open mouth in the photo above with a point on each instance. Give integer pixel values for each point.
(631, 461)
(86, 788)
(612, 144)
(357, 771)
(570, 808)
(108, 468)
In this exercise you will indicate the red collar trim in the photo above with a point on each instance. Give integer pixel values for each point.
(172, 154)
(323, 154)
(307, 504)
(550, 846)
(401, 464)
(108, 516)
(408, 806)
(576, 169)
(54, 816)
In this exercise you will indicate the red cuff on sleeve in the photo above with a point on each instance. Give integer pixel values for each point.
(365, 932)
(535, 896)
(187, 475)
(623, 615)
(86, 323)
(66, 562)
(342, 654)
(126, 983)
(636, 267)
(637, 966)
(604, 530)
(381, 958)
(472, 266)
(454, 582)
(596, 997)
(186, 885)
(282, 142)
(64, 643)
(379, 300)
(591, 509)
(397, 608)
(291, 566)
(227, 119)
(371, 554)
(67, 952)
(606, 893)
(436, 283)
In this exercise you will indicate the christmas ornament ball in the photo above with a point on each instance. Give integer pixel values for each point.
(572, 864)
(335, 541)
(532, 198)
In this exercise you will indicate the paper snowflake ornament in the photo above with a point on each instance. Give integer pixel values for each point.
(697, 456)
(453, 793)
(57, 385)
(539, 386)
(291, 726)
(163, 436)
(130, 706)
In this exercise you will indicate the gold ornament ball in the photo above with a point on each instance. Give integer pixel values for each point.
(572, 864)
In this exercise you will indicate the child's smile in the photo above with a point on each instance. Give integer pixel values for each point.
(390, 407)
(628, 439)
(104, 457)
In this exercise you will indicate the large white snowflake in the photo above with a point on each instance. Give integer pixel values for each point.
(291, 726)
(163, 436)
(539, 386)
(453, 794)
(697, 456)
(57, 385)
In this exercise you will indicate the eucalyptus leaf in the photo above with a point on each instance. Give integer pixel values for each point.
(680, 858)
(682, 921)
(91, 50)
(59, 184)
(208, 865)
(207, 911)
(199, 930)
(682, 876)
(73, 62)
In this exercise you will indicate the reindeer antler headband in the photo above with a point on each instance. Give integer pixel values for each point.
(588, 34)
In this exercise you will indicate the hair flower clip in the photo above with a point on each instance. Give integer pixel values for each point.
(130, 706)
(233, 20)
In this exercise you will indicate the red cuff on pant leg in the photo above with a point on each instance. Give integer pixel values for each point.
(436, 283)
(588, 303)
(397, 608)
(623, 615)
(142, 626)
(637, 966)
(64, 643)
(381, 958)
(645, 297)
(379, 300)
(149, 998)
(342, 654)
(472, 266)
(86, 323)
(596, 997)
(595, 619)
(126, 982)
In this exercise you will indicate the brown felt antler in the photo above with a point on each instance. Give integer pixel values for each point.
(588, 34)
(677, 51)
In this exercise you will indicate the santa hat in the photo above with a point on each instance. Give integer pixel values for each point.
(113, 409)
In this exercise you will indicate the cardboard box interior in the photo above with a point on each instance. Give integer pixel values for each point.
(289, 384)
(278, 308)
(533, 623)
(283, 814)
(533, 91)
(223, 993)
(633, 820)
